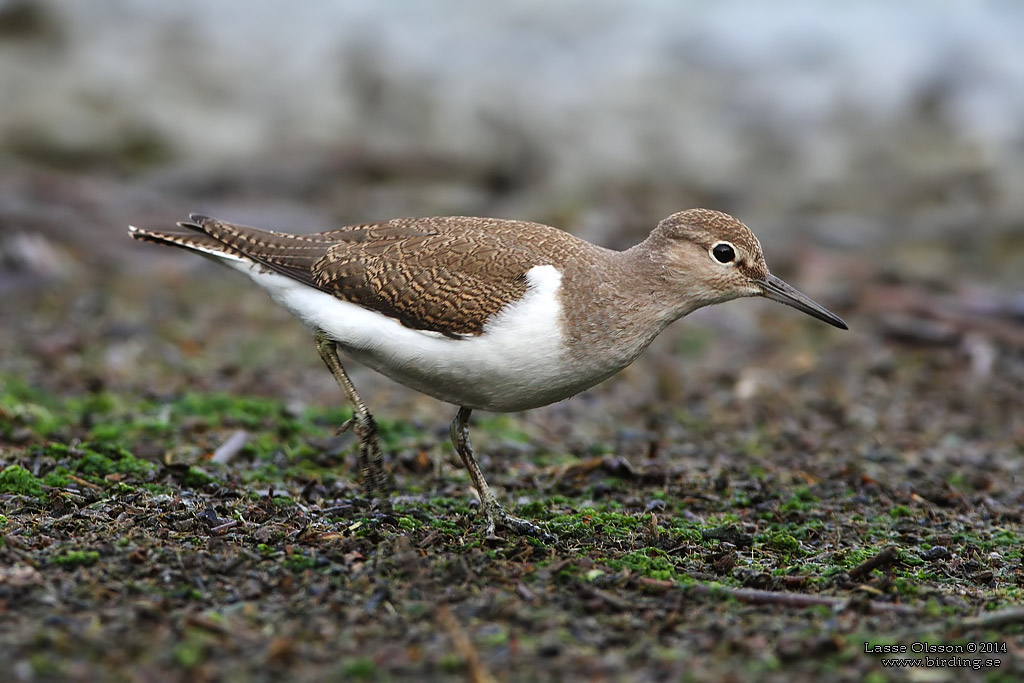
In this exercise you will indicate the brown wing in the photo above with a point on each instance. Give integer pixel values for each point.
(449, 275)
(446, 275)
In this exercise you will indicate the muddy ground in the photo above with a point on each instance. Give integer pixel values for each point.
(759, 497)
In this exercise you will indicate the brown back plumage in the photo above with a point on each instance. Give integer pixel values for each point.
(444, 274)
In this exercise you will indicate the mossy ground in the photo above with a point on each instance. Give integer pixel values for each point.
(755, 499)
(132, 545)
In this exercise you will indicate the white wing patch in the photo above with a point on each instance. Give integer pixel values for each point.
(519, 361)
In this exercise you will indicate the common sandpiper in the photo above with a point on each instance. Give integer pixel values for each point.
(488, 313)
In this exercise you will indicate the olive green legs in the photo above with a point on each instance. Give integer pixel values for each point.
(493, 512)
(374, 476)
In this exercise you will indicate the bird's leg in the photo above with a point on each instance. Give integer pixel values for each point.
(492, 510)
(376, 481)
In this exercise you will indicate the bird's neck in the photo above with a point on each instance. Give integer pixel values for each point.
(634, 299)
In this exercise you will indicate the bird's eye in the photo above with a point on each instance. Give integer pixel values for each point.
(723, 252)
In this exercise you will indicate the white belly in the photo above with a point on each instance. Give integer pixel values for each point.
(520, 360)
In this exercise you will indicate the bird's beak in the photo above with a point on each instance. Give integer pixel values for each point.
(777, 290)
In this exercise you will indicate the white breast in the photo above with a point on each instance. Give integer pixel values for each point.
(518, 362)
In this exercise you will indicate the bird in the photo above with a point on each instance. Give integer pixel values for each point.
(487, 313)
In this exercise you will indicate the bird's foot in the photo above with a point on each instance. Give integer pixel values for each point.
(377, 482)
(495, 515)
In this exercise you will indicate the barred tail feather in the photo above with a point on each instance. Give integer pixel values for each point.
(189, 237)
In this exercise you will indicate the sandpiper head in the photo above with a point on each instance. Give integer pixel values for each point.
(724, 256)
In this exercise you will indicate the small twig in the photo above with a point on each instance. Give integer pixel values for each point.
(464, 646)
(205, 623)
(759, 597)
(526, 594)
(610, 599)
(234, 444)
(885, 557)
(224, 527)
(729, 534)
(1003, 617)
(83, 482)
(750, 596)
(959, 624)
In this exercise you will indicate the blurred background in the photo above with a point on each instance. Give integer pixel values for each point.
(877, 150)
(875, 147)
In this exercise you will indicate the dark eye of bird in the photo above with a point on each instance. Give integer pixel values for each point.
(723, 252)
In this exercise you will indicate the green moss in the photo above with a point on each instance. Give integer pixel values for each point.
(409, 524)
(359, 669)
(57, 479)
(604, 519)
(852, 558)
(24, 406)
(802, 499)
(502, 427)
(686, 534)
(910, 559)
(108, 431)
(495, 638)
(395, 434)
(195, 478)
(905, 587)
(651, 562)
(567, 573)
(225, 409)
(533, 509)
(96, 464)
(740, 499)
(297, 562)
(189, 654)
(451, 663)
(445, 526)
(805, 530)
(16, 479)
(187, 593)
(897, 511)
(265, 473)
(46, 666)
(781, 541)
(76, 558)
(99, 460)
(1007, 538)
